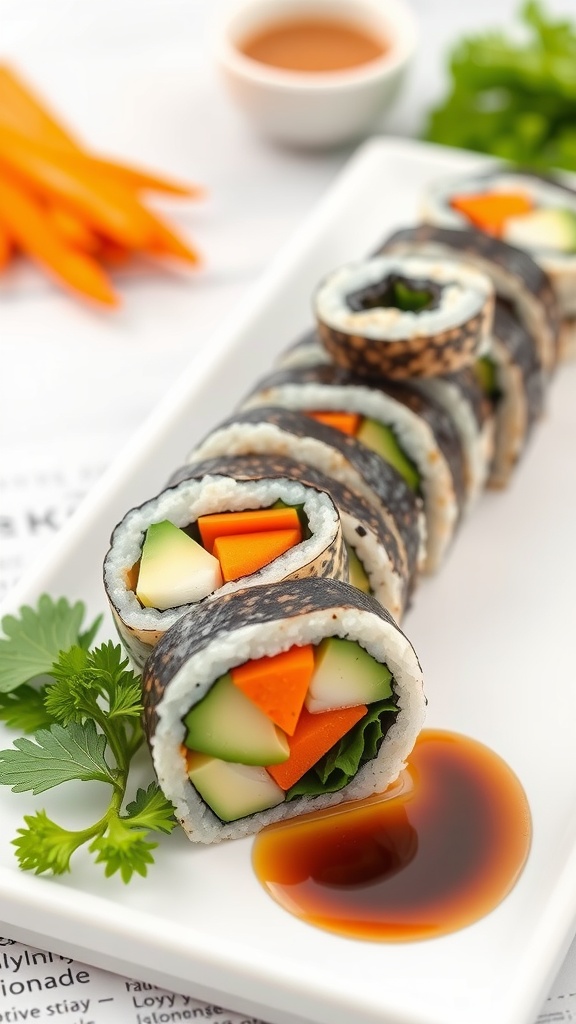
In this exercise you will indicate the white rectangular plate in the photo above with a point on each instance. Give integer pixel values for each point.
(494, 631)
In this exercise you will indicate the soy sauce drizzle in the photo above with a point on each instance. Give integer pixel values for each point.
(439, 850)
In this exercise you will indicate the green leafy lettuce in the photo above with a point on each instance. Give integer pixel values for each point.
(339, 766)
(514, 98)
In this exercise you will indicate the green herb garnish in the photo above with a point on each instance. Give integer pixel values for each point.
(514, 99)
(86, 721)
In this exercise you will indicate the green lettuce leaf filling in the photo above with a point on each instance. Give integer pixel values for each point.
(339, 766)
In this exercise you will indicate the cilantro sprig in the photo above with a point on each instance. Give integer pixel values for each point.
(513, 95)
(82, 705)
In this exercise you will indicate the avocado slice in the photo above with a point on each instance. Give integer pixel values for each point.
(232, 790)
(382, 440)
(174, 568)
(356, 572)
(227, 725)
(486, 375)
(549, 228)
(346, 675)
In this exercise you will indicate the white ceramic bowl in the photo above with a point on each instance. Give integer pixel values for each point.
(316, 109)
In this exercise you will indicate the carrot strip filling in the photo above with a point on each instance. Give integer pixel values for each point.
(489, 211)
(221, 524)
(313, 737)
(347, 422)
(278, 684)
(242, 554)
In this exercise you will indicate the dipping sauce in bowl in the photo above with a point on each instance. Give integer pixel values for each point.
(315, 73)
(313, 44)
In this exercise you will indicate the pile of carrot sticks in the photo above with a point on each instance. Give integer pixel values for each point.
(72, 212)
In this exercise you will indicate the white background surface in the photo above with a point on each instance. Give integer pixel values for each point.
(136, 80)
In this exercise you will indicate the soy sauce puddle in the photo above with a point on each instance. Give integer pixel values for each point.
(439, 850)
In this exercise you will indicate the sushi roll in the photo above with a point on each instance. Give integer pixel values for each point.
(525, 324)
(404, 317)
(517, 279)
(459, 393)
(513, 383)
(269, 430)
(276, 700)
(375, 561)
(213, 535)
(530, 213)
(397, 421)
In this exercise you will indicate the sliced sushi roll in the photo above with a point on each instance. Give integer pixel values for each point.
(459, 393)
(276, 700)
(517, 279)
(404, 317)
(215, 535)
(397, 421)
(513, 383)
(530, 213)
(525, 323)
(269, 430)
(375, 561)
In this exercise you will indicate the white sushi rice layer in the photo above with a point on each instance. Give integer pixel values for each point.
(464, 293)
(386, 585)
(414, 436)
(182, 505)
(381, 639)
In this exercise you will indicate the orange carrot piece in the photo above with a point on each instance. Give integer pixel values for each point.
(21, 110)
(242, 554)
(72, 229)
(5, 246)
(489, 211)
(27, 223)
(165, 242)
(139, 179)
(314, 736)
(278, 685)
(106, 206)
(113, 254)
(221, 524)
(347, 422)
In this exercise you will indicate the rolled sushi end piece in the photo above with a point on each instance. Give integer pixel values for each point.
(169, 554)
(216, 686)
(376, 558)
(403, 318)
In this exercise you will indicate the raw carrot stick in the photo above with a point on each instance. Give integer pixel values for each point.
(220, 524)
(243, 554)
(107, 207)
(313, 737)
(278, 685)
(23, 111)
(28, 225)
(489, 211)
(347, 422)
(166, 243)
(139, 179)
(72, 229)
(5, 246)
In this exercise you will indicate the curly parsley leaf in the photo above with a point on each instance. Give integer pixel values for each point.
(124, 850)
(150, 809)
(24, 709)
(34, 638)
(54, 756)
(84, 717)
(45, 846)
